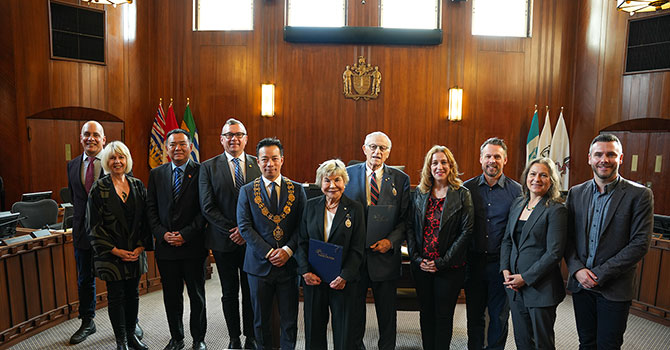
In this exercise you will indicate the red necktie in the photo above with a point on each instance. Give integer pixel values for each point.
(90, 174)
(374, 190)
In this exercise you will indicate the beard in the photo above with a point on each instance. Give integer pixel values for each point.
(492, 171)
(609, 172)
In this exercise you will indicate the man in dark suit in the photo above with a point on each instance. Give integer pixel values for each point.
(492, 195)
(610, 220)
(177, 225)
(220, 180)
(269, 210)
(82, 172)
(388, 190)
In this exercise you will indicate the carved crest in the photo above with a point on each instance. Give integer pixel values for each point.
(361, 81)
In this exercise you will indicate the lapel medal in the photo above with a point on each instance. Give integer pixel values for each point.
(395, 193)
(347, 223)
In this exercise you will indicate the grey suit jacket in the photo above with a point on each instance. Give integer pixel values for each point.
(538, 252)
(624, 239)
(394, 192)
(218, 199)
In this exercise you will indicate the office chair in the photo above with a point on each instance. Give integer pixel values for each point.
(40, 214)
(65, 195)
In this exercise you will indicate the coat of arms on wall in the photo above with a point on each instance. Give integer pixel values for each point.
(361, 81)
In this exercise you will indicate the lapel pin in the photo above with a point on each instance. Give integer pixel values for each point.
(189, 176)
(347, 223)
(395, 193)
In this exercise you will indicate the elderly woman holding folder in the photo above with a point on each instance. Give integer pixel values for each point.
(437, 239)
(332, 224)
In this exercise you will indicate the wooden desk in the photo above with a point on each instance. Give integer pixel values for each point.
(38, 286)
(652, 299)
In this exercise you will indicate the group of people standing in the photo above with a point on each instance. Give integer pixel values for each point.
(500, 240)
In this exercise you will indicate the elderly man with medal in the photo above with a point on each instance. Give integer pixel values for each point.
(269, 210)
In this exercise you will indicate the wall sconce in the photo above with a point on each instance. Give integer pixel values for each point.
(268, 100)
(455, 104)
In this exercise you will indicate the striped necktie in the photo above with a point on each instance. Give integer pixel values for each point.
(177, 182)
(239, 179)
(374, 189)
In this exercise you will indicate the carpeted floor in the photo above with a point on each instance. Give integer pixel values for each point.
(641, 334)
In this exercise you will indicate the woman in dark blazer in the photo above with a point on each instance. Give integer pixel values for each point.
(531, 253)
(119, 236)
(335, 219)
(437, 239)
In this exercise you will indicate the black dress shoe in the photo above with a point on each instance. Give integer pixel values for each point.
(199, 345)
(135, 343)
(175, 345)
(235, 343)
(87, 328)
(138, 330)
(122, 346)
(250, 343)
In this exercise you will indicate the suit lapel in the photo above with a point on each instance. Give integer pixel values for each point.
(250, 173)
(587, 198)
(423, 203)
(617, 196)
(386, 186)
(167, 185)
(453, 204)
(188, 177)
(515, 212)
(540, 207)
(362, 195)
(340, 214)
(283, 196)
(77, 175)
(320, 208)
(227, 176)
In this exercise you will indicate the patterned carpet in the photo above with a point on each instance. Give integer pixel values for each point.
(641, 334)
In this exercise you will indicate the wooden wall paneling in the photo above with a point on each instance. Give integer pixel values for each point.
(47, 142)
(663, 290)
(659, 145)
(17, 299)
(46, 286)
(70, 267)
(5, 302)
(31, 286)
(59, 276)
(649, 277)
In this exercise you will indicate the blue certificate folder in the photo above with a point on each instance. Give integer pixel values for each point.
(326, 259)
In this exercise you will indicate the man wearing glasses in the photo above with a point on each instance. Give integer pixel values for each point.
(384, 193)
(220, 180)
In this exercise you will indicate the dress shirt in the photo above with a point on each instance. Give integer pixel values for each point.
(242, 157)
(183, 170)
(598, 211)
(96, 167)
(328, 224)
(492, 204)
(378, 175)
(267, 183)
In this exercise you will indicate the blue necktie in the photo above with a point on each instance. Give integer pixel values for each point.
(239, 179)
(177, 182)
(273, 198)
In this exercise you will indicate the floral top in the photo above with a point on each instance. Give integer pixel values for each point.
(431, 228)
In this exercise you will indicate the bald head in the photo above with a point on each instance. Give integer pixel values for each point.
(92, 138)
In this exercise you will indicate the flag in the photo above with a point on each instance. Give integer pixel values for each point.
(157, 138)
(531, 141)
(560, 151)
(188, 124)
(170, 124)
(544, 144)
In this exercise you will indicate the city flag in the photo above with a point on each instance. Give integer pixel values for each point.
(157, 138)
(188, 124)
(544, 144)
(533, 138)
(170, 124)
(560, 151)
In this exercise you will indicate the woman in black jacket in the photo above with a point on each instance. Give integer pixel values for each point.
(441, 226)
(119, 236)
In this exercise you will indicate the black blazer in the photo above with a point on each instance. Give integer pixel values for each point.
(218, 199)
(257, 229)
(455, 227)
(624, 239)
(183, 214)
(108, 229)
(79, 199)
(538, 253)
(351, 237)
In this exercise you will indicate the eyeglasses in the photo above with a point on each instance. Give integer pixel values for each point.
(374, 147)
(230, 135)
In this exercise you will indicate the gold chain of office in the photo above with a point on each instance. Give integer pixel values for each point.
(277, 233)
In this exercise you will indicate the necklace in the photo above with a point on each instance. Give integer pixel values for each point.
(529, 208)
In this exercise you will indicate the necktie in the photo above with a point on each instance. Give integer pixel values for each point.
(239, 179)
(273, 198)
(89, 177)
(177, 182)
(374, 190)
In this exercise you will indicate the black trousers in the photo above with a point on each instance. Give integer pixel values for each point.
(282, 284)
(174, 273)
(533, 326)
(438, 294)
(385, 296)
(318, 299)
(601, 323)
(123, 303)
(85, 282)
(232, 277)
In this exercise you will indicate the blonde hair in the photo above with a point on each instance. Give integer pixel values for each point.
(116, 147)
(329, 168)
(553, 192)
(427, 180)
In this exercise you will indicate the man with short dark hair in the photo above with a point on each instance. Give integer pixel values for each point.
(269, 210)
(177, 225)
(221, 177)
(492, 196)
(610, 220)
